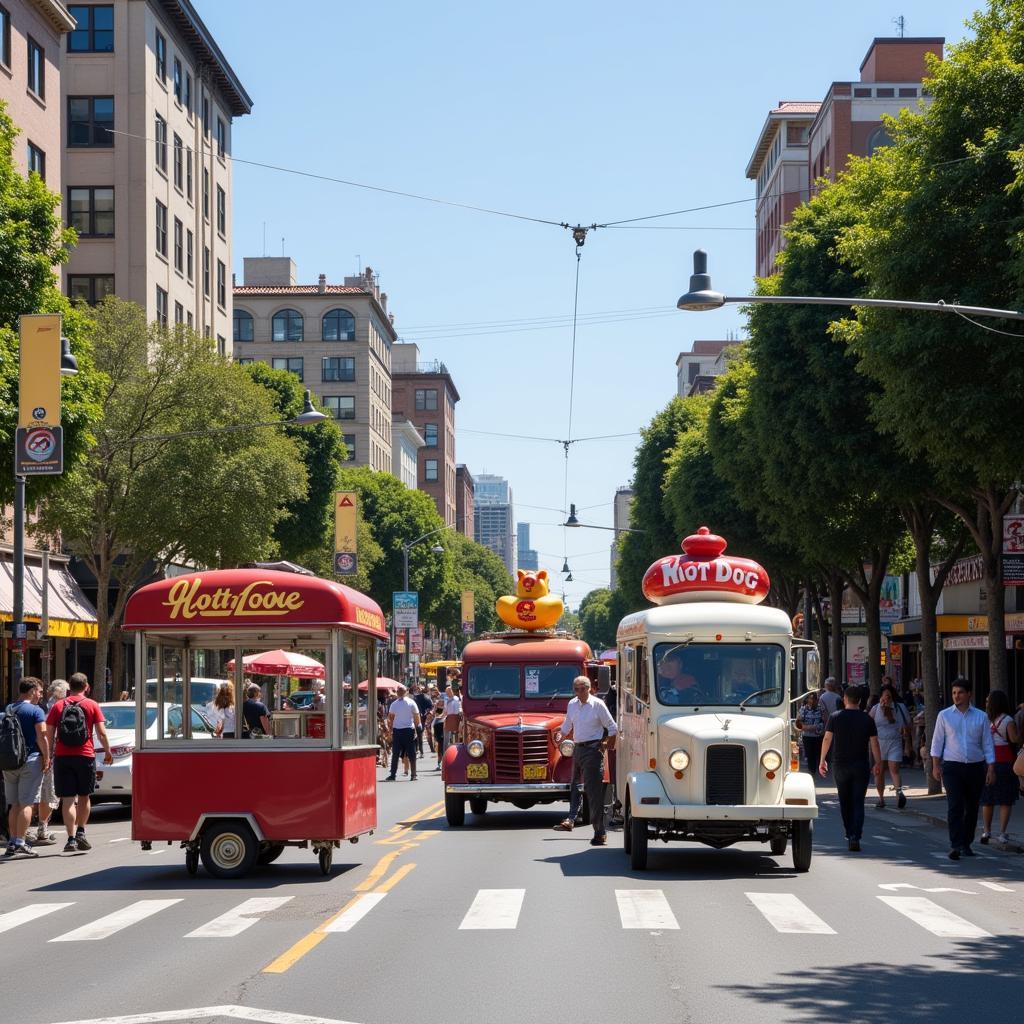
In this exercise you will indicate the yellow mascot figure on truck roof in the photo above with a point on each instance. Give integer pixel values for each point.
(532, 607)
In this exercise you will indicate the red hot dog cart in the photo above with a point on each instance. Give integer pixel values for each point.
(236, 796)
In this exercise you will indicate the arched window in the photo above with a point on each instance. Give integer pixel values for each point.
(879, 137)
(243, 325)
(287, 325)
(339, 325)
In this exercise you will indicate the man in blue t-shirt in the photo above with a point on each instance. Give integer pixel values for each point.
(23, 786)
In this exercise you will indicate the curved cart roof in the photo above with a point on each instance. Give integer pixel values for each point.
(245, 599)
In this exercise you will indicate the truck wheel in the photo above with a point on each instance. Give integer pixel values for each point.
(269, 853)
(478, 804)
(638, 844)
(778, 844)
(229, 849)
(803, 836)
(627, 831)
(455, 810)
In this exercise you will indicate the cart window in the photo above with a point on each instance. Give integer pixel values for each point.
(285, 690)
(643, 686)
(360, 698)
(166, 690)
(351, 682)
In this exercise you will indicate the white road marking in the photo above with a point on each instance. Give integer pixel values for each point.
(933, 918)
(199, 1013)
(893, 886)
(104, 927)
(645, 908)
(14, 918)
(786, 913)
(355, 913)
(122, 839)
(494, 908)
(996, 887)
(238, 919)
(884, 839)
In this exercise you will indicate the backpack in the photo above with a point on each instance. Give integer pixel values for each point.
(72, 729)
(13, 751)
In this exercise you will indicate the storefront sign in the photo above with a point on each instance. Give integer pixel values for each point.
(966, 570)
(970, 643)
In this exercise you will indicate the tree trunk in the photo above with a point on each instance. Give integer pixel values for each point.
(869, 593)
(835, 596)
(116, 662)
(819, 618)
(102, 626)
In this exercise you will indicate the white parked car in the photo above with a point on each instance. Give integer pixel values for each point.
(114, 781)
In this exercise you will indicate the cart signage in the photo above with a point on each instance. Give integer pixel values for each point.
(188, 599)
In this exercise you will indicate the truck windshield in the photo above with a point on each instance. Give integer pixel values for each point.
(550, 680)
(719, 674)
(487, 682)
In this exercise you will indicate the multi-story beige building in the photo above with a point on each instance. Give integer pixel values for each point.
(149, 101)
(336, 338)
(31, 41)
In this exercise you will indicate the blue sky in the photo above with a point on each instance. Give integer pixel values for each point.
(571, 111)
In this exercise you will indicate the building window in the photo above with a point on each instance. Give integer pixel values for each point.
(90, 119)
(161, 306)
(189, 321)
(293, 364)
(879, 137)
(91, 211)
(189, 254)
(206, 270)
(206, 194)
(426, 399)
(36, 161)
(177, 79)
(179, 245)
(287, 325)
(161, 228)
(245, 360)
(206, 116)
(243, 326)
(161, 57)
(179, 315)
(339, 325)
(188, 92)
(341, 407)
(222, 137)
(339, 368)
(5, 36)
(188, 174)
(222, 346)
(94, 31)
(350, 444)
(36, 68)
(160, 141)
(430, 469)
(222, 211)
(430, 435)
(90, 288)
(884, 93)
(222, 285)
(179, 152)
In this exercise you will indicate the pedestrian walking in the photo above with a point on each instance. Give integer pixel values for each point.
(452, 713)
(403, 717)
(810, 722)
(892, 720)
(592, 730)
(829, 698)
(48, 801)
(424, 704)
(24, 763)
(963, 759)
(849, 735)
(437, 724)
(72, 721)
(1003, 792)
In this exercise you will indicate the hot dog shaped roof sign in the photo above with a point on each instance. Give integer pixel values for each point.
(705, 573)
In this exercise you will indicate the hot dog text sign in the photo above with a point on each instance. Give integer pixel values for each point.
(705, 573)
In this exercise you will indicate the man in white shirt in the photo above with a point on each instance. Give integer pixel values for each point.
(963, 759)
(404, 719)
(591, 727)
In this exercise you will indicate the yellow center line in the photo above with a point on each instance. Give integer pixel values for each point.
(427, 812)
(307, 942)
(395, 878)
(378, 872)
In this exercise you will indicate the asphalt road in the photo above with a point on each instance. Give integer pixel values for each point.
(505, 920)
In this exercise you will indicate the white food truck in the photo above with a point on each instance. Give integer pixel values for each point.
(707, 681)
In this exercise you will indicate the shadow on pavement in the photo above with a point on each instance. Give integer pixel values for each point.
(951, 986)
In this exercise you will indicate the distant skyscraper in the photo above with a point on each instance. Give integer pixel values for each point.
(493, 518)
(621, 521)
(525, 555)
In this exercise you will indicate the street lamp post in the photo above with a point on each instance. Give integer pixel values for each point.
(406, 548)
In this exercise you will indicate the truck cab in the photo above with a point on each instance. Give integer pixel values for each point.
(516, 687)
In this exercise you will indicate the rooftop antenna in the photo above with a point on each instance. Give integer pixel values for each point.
(264, 238)
(282, 245)
(901, 24)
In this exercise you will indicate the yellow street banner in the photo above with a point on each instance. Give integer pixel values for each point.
(346, 504)
(39, 385)
(468, 612)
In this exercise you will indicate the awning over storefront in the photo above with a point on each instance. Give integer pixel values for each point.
(70, 612)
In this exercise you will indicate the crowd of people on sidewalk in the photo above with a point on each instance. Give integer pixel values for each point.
(418, 711)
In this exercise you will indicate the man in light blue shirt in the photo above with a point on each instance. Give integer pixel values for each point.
(963, 759)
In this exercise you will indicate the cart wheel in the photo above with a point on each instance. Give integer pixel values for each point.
(229, 849)
(192, 862)
(478, 805)
(269, 853)
(325, 855)
(803, 840)
(455, 809)
(638, 844)
(778, 844)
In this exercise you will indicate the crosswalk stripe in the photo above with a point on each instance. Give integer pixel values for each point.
(236, 920)
(996, 887)
(933, 918)
(15, 918)
(494, 908)
(645, 908)
(104, 927)
(355, 912)
(786, 913)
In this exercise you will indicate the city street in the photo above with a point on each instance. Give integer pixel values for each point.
(506, 920)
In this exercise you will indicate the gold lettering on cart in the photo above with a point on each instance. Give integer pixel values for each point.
(185, 601)
(372, 619)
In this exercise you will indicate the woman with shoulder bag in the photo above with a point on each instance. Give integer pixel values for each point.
(892, 721)
(1004, 791)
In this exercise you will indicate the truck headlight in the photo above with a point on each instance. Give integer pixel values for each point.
(566, 747)
(679, 760)
(771, 760)
(475, 748)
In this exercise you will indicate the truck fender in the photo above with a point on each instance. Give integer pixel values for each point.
(647, 784)
(453, 766)
(799, 786)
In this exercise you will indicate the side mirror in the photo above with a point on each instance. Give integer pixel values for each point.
(813, 671)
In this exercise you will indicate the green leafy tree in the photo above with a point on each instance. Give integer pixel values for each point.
(597, 623)
(480, 570)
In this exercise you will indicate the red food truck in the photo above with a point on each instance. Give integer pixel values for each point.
(239, 798)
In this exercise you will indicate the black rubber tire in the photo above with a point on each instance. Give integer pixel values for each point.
(638, 844)
(455, 810)
(778, 845)
(228, 849)
(627, 831)
(478, 805)
(269, 854)
(325, 856)
(803, 842)
(192, 862)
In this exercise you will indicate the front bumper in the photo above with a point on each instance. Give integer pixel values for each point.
(494, 790)
(751, 813)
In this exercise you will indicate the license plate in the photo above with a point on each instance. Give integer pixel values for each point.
(476, 771)
(535, 771)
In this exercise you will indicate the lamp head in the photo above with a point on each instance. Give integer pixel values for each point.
(565, 565)
(572, 520)
(68, 363)
(701, 295)
(309, 415)
(568, 579)
(437, 549)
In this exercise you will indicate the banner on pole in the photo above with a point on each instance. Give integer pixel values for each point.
(346, 561)
(468, 612)
(39, 370)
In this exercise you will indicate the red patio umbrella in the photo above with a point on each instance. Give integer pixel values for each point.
(280, 663)
(383, 683)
